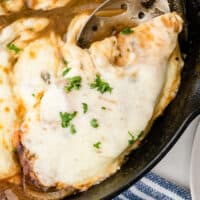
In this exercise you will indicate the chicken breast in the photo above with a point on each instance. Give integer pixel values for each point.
(97, 103)
(12, 41)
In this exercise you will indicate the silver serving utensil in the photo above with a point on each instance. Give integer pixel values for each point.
(114, 15)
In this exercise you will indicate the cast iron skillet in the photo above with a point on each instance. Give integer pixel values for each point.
(178, 115)
(170, 126)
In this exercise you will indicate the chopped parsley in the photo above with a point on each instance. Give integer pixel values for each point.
(101, 85)
(132, 139)
(97, 145)
(66, 118)
(103, 108)
(94, 123)
(66, 69)
(72, 129)
(73, 83)
(127, 31)
(13, 47)
(85, 107)
(33, 95)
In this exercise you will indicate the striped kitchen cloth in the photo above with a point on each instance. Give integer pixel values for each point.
(154, 187)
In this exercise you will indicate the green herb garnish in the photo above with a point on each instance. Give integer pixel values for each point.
(66, 118)
(13, 47)
(85, 107)
(73, 83)
(72, 129)
(66, 69)
(133, 139)
(33, 95)
(94, 123)
(103, 108)
(101, 85)
(127, 31)
(97, 145)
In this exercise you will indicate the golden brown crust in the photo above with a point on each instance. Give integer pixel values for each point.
(170, 89)
(10, 189)
(30, 182)
(144, 36)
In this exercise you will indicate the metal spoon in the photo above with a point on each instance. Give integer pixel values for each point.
(114, 15)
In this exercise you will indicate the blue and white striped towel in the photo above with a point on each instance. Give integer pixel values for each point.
(154, 187)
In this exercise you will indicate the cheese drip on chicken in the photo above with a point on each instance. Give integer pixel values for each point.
(93, 104)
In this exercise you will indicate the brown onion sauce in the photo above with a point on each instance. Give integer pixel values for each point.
(59, 17)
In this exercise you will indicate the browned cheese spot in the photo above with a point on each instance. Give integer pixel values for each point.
(7, 109)
(20, 111)
(6, 70)
(32, 54)
(1, 127)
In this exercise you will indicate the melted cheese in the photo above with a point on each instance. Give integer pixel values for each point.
(19, 33)
(63, 159)
(10, 6)
(8, 124)
(46, 5)
(35, 70)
